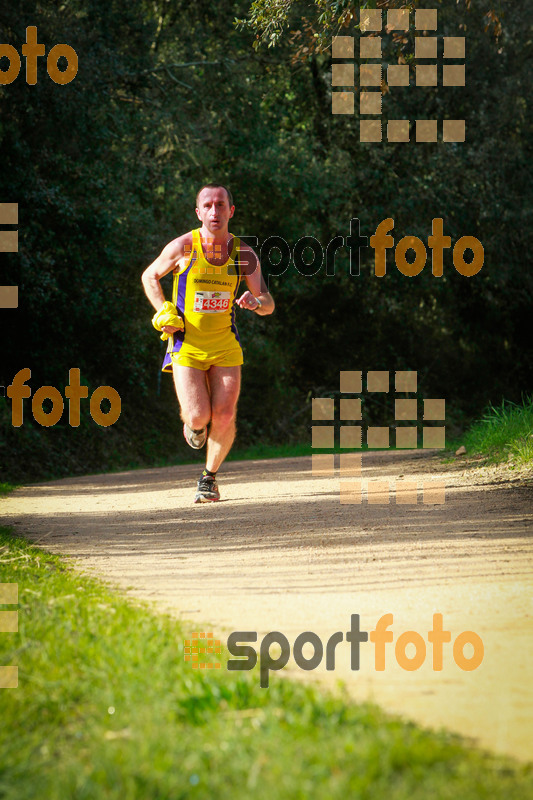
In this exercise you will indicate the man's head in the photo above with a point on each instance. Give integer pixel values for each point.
(214, 207)
(216, 186)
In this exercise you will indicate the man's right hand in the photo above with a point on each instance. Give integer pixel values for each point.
(168, 320)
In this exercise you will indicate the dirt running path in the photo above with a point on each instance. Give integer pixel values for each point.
(280, 553)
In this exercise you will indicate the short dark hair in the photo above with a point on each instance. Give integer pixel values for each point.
(215, 186)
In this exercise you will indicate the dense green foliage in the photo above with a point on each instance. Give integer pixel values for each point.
(106, 706)
(170, 95)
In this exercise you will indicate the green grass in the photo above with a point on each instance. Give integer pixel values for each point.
(261, 451)
(106, 707)
(504, 433)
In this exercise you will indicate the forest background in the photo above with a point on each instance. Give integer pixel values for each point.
(172, 94)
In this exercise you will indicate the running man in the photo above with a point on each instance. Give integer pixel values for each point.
(204, 352)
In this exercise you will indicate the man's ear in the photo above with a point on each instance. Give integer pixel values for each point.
(198, 214)
(231, 212)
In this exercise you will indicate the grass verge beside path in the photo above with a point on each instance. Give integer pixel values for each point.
(503, 434)
(106, 707)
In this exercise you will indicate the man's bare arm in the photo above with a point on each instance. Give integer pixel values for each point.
(163, 264)
(257, 298)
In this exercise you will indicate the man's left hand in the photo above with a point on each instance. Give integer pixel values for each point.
(248, 301)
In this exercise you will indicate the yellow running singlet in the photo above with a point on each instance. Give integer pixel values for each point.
(205, 296)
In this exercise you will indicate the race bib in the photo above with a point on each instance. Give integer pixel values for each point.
(211, 302)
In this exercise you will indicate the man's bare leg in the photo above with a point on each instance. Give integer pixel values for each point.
(210, 396)
(193, 395)
(225, 385)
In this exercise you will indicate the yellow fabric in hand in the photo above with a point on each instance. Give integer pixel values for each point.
(167, 315)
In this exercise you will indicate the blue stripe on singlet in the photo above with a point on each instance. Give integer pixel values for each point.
(176, 340)
(180, 301)
(239, 275)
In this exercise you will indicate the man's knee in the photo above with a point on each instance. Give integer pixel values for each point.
(223, 416)
(196, 419)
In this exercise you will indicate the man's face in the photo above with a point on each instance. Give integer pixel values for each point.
(214, 210)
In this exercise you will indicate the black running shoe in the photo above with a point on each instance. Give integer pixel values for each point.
(207, 491)
(195, 439)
